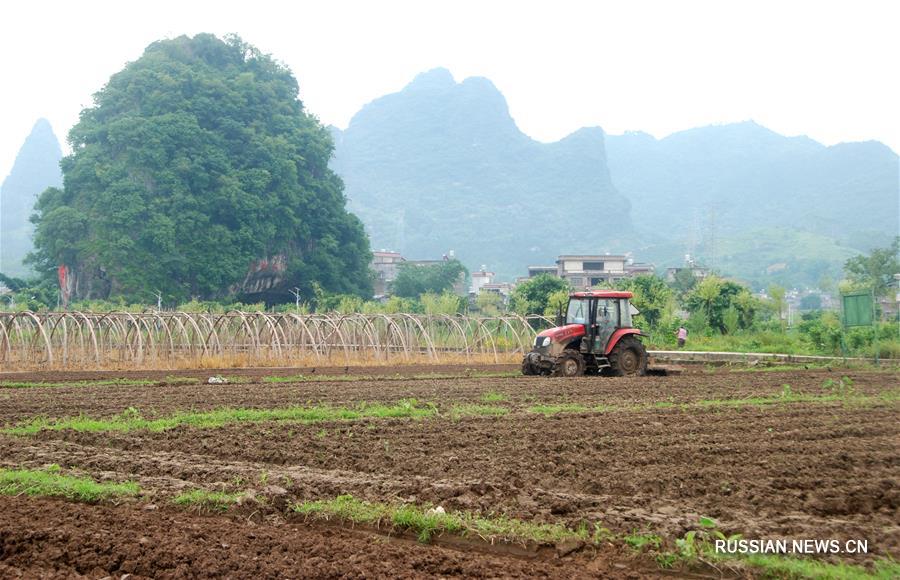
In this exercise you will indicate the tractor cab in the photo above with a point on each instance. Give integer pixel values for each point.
(595, 335)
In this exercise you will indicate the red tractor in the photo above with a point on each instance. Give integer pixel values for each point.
(595, 337)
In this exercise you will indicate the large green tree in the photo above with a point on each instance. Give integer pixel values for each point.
(652, 296)
(196, 163)
(875, 271)
(413, 280)
(535, 295)
(717, 300)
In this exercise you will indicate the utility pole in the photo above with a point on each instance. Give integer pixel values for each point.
(296, 293)
(158, 301)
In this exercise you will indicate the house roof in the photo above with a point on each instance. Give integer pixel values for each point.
(602, 294)
(592, 257)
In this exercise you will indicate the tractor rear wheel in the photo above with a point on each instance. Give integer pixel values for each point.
(628, 357)
(569, 364)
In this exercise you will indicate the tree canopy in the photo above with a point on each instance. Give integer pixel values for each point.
(533, 296)
(413, 280)
(195, 163)
(652, 297)
(875, 271)
(725, 305)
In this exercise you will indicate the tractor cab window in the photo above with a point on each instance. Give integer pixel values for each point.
(608, 312)
(577, 312)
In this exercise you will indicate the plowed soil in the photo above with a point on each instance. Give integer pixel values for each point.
(659, 453)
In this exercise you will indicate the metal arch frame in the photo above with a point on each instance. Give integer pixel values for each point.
(39, 327)
(125, 337)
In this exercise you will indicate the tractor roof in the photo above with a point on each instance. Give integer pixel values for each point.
(601, 294)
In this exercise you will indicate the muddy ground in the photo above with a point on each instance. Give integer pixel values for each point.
(660, 453)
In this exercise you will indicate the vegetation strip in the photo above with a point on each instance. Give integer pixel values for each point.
(698, 545)
(49, 482)
(132, 419)
(555, 409)
(397, 377)
(210, 500)
(100, 383)
(840, 391)
(458, 411)
(695, 546)
(428, 522)
(785, 567)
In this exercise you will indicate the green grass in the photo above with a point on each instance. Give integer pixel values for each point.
(110, 382)
(493, 397)
(692, 549)
(640, 541)
(762, 368)
(458, 411)
(101, 383)
(839, 395)
(132, 420)
(699, 545)
(786, 567)
(885, 367)
(764, 401)
(209, 500)
(558, 408)
(840, 392)
(427, 523)
(49, 482)
(394, 377)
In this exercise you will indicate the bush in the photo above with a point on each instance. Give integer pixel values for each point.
(822, 331)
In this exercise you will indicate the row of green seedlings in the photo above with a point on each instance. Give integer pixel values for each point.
(698, 545)
(132, 419)
(427, 523)
(465, 374)
(695, 547)
(175, 380)
(50, 482)
(169, 380)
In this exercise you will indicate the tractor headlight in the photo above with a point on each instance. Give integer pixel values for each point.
(542, 341)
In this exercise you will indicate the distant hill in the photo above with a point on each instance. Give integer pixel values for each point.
(441, 165)
(757, 204)
(36, 168)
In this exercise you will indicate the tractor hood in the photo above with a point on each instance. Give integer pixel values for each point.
(564, 333)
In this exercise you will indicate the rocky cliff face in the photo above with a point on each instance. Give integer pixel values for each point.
(441, 165)
(36, 168)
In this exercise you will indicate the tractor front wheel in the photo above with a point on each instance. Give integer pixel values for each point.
(569, 364)
(529, 369)
(628, 357)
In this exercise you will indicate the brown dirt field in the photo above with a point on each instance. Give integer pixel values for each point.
(255, 372)
(96, 541)
(794, 470)
(161, 399)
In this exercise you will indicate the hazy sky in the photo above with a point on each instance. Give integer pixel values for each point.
(822, 68)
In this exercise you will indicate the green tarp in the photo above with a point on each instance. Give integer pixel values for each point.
(858, 309)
